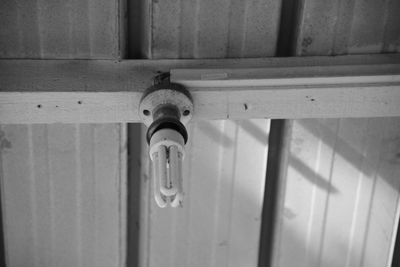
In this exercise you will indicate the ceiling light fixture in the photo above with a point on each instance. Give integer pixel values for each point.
(165, 109)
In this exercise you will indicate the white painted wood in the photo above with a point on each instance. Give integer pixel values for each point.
(109, 91)
(69, 107)
(266, 77)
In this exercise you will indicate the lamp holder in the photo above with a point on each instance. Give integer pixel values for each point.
(166, 100)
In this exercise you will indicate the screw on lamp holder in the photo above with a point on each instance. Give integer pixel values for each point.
(165, 109)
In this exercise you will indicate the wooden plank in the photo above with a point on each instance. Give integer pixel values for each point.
(48, 91)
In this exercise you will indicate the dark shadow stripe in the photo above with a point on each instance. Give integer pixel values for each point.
(135, 140)
(278, 152)
(138, 34)
(138, 29)
(2, 246)
(278, 143)
(2, 249)
(396, 251)
(288, 27)
(310, 175)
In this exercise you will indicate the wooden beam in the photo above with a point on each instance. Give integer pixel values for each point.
(70, 91)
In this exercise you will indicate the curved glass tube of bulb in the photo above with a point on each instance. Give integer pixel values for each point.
(177, 201)
(169, 168)
(167, 176)
(166, 152)
(160, 200)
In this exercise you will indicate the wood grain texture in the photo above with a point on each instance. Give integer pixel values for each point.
(34, 91)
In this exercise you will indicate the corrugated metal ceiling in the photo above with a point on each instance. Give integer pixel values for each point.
(63, 186)
(63, 197)
(339, 190)
(225, 168)
(204, 29)
(181, 29)
(347, 27)
(214, 29)
(341, 193)
(219, 224)
(59, 29)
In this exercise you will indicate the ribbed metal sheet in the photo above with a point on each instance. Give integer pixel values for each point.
(224, 170)
(341, 203)
(59, 29)
(331, 27)
(62, 186)
(219, 224)
(63, 194)
(214, 29)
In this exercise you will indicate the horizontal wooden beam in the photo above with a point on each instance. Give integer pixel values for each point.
(101, 91)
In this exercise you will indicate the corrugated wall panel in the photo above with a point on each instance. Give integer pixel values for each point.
(340, 205)
(59, 29)
(331, 27)
(214, 29)
(342, 193)
(219, 224)
(63, 194)
(63, 187)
